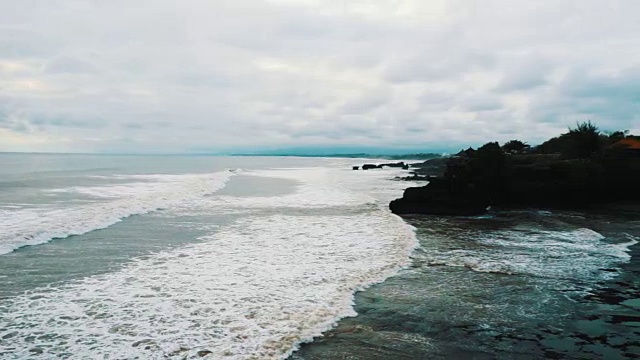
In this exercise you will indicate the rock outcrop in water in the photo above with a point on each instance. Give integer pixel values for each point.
(575, 170)
(400, 164)
(394, 165)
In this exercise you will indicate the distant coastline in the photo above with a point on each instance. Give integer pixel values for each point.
(413, 156)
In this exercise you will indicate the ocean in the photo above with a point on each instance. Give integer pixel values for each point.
(253, 257)
(187, 256)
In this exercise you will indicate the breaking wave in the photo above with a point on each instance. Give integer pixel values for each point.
(108, 205)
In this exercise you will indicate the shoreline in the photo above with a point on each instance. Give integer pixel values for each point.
(396, 320)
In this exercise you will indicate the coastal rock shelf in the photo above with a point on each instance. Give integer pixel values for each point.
(433, 199)
(567, 172)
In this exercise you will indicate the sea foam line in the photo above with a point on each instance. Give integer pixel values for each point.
(33, 226)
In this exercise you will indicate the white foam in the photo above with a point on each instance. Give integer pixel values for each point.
(36, 225)
(322, 187)
(254, 290)
(580, 254)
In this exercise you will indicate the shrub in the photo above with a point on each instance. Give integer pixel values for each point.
(515, 147)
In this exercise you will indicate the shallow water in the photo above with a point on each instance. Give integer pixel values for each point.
(514, 285)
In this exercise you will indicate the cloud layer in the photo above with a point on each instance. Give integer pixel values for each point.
(195, 75)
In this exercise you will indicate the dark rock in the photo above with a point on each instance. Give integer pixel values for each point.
(486, 177)
(400, 164)
(432, 167)
(203, 353)
(617, 319)
(393, 165)
(356, 168)
(433, 199)
(414, 177)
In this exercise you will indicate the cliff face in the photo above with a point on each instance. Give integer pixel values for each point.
(436, 198)
(475, 180)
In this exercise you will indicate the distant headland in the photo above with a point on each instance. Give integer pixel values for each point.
(576, 170)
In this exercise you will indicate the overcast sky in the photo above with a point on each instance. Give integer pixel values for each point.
(206, 75)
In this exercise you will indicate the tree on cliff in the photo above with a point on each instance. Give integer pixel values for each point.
(480, 171)
(581, 142)
(585, 139)
(489, 167)
(515, 147)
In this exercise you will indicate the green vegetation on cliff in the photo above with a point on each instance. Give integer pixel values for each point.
(577, 169)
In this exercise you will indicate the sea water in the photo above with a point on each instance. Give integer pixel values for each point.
(187, 256)
(519, 284)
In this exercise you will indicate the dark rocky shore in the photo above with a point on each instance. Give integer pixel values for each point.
(578, 170)
(441, 309)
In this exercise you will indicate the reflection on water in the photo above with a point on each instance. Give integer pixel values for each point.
(510, 285)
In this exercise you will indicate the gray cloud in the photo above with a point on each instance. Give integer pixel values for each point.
(621, 85)
(68, 123)
(524, 75)
(175, 77)
(437, 65)
(17, 43)
(612, 100)
(68, 65)
(482, 103)
(366, 103)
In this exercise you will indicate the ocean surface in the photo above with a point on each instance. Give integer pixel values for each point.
(250, 258)
(525, 284)
(187, 256)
